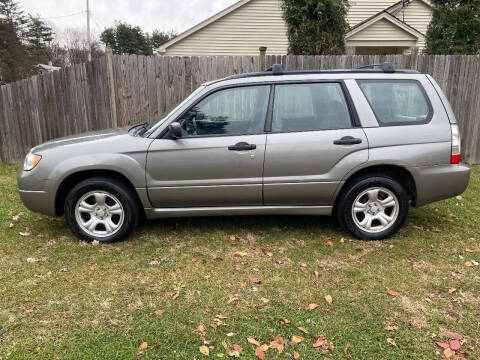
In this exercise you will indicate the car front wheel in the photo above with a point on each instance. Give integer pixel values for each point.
(373, 208)
(102, 209)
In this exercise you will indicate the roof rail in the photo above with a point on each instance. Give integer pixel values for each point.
(277, 69)
(386, 67)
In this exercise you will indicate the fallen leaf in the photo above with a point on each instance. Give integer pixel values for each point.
(312, 306)
(304, 268)
(31, 260)
(448, 353)
(342, 240)
(277, 344)
(267, 252)
(316, 273)
(345, 351)
(319, 342)
(303, 330)
(469, 250)
(195, 259)
(391, 327)
(297, 339)
(11, 225)
(392, 342)
(459, 197)
(264, 347)
(174, 294)
(232, 237)
(329, 243)
(259, 353)
(204, 350)
(95, 242)
(239, 254)
(230, 334)
(392, 292)
(416, 323)
(451, 290)
(468, 263)
(159, 312)
(442, 344)
(238, 348)
(221, 317)
(264, 300)
(296, 355)
(328, 299)
(255, 280)
(451, 335)
(16, 218)
(143, 346)
(474, 262)
(285, 321)
(232, 299)
(455, 345)
(26, 233)
(252, 341)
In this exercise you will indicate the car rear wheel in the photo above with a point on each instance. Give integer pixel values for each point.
(373, 208)
(102, 209)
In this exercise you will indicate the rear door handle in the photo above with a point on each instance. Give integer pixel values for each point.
(242, 146)
(348, 140)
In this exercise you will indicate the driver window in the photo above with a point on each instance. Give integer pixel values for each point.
(235, 111)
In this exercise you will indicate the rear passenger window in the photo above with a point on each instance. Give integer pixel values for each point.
(306, 107)
(397, 102)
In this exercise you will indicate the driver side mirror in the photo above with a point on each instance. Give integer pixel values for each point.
(175, 130)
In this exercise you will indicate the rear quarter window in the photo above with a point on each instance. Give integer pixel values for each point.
(397, 102)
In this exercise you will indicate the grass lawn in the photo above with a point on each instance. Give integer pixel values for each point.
(220, 281)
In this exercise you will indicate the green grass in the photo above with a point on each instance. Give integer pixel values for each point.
(81, 301)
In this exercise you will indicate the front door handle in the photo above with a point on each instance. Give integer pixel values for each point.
(242, 146)
(348, 140)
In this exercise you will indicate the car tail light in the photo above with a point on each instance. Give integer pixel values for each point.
(456, 147)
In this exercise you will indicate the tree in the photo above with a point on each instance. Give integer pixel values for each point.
(38, 35)
(455, 27)
(126, 39)
(159, 38)
(316, 27)
(14, 14)
(71, 47)
(14, 61)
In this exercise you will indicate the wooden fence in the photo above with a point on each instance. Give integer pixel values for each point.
(122, 90)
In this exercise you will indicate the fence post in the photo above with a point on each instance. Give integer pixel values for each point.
(111, 84)
(263, 51)
(414, 58)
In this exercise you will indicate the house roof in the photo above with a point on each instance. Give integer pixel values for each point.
(384, 14)
(203, 24)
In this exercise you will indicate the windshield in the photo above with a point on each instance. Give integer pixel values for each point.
(156, 125)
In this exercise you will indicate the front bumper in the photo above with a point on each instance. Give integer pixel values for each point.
(35, 193)
(439, 182)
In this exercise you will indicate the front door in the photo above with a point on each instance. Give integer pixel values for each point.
(219, 159)
(313, 144)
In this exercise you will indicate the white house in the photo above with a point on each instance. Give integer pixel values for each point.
(376, 27)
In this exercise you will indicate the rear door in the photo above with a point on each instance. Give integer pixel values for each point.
(219, 159)
(314, 142)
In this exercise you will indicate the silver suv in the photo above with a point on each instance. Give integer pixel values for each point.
(361, 144)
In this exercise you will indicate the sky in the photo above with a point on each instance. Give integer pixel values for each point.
(166, 15)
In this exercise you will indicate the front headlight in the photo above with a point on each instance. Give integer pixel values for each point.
(31, 160)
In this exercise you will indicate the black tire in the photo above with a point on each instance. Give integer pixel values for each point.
(128, 200)
(344, 206)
